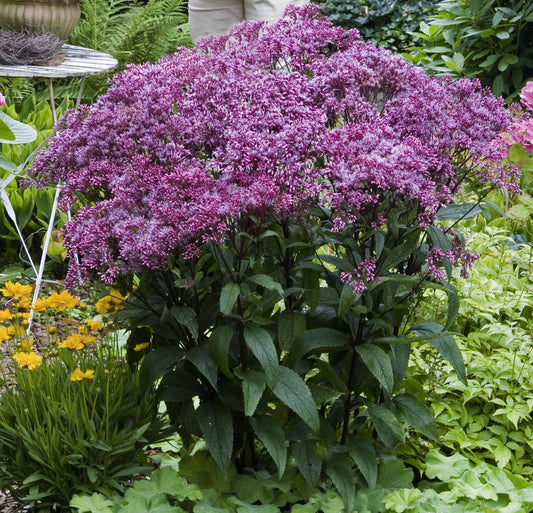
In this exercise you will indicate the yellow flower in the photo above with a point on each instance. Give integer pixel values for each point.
(17, 330)
(83, 306)
(30, 360)
(40, 304)
(16, 290)
(142, 347)
(62, 300)
(5, 315)
(26, 345)
(23, 304)
(88, 340)
(94, 325)
(73, 341)
(111, 303)
(52, 330)
(4, 334)
(78, 375)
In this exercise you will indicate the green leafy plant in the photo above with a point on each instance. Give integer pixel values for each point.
(384, 22)
(486, 39)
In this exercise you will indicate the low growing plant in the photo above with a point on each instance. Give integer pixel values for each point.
(73, 418)
(272, 200)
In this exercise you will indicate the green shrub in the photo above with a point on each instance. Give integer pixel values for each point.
(487, 39)
(385, 22)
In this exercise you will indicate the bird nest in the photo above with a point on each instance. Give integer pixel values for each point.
(18, 48)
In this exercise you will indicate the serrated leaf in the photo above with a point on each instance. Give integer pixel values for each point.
(379, 364)
(292, 390)
(502, 455)
(361, 450)
(219, 347)
(339, 470)
(262, 346)
(445, 467)
(307, 460)
(228, 297)
(186, 316)
(449, 350)
(290, 326)
(388, 428)
(156, 364)
(271, 435)
(201, 359)
(253, 384)
(267, 282)
(417, 415)
(216, 424)
(393, 474)
(315, 341)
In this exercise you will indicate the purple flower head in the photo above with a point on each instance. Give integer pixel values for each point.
(266, 122)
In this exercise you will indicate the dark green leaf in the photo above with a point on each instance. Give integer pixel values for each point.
(253, 384)
(219, 346)
(290, 326)
(317, 340)
(178, 387)
(456, 212)
(217, 429)
(228, 296)
(186, 316)
(379, 364)
(262, 346)
(339, 470)
(417, 414)
(393, 474)
(307, 460)
(292, 391)
(387, 426)
(200, 357)
(267, 282)
(156, 364)
(271, 435)
(449, 350)
(400, 253)
(364, 456)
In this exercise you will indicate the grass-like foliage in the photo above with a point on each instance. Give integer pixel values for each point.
(274, 200)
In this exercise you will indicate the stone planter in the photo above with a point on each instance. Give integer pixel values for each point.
(58, 17)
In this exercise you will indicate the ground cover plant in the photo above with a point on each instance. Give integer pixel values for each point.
(272, 201)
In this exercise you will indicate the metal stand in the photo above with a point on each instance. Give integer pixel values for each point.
(78, 62)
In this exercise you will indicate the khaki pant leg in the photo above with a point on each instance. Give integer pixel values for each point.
(267, 10)
(214, 17)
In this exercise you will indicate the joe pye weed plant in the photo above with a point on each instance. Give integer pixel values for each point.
(272, 201)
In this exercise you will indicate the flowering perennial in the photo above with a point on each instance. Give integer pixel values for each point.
(266, 122)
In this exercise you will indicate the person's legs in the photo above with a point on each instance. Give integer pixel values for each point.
(214, 17)
(267, 10)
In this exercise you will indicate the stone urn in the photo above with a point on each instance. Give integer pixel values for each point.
(58, 17)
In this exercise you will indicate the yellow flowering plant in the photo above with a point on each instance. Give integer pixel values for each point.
(73, 417)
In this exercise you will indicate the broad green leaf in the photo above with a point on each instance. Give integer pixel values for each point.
(388, 428)
(271, 435)
(502, 455)
(178, 387)
(402, 500)
(361, 450)
(253, 384)
(200, 357)
(186, 316)
(262, 346)
(157, 363)
(95, 503)
(393, 474)
(290, 326)
(228, 296)
(307, 460)
(339, 470)
(15, 132)
(8, 165)
(267, 282)
(216, 424)
(399, 253)
(445, 467)
(292, 391)
(456, 212)
(417, 414)
(379, 364)
(317, 340)
(449, 350)
(219, 347)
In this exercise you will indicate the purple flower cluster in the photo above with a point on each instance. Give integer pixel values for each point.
(266, 122)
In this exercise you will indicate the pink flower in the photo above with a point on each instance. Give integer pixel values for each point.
(526, 95)
(2, 99)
